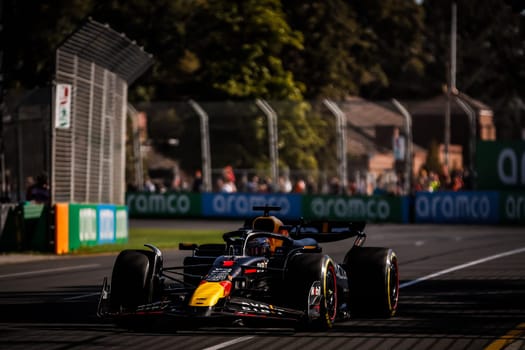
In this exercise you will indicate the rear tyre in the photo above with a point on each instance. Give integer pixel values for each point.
(374, 281)
(313, 282)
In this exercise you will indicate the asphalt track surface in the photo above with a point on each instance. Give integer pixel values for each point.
(462, 287)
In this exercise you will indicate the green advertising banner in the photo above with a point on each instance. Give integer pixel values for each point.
(82, 225)
(500, 165)
(512, 207)
(169, 204)
(356, 208)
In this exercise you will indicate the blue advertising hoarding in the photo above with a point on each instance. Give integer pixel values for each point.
(106, 223)
(240, 205)
(457, 207)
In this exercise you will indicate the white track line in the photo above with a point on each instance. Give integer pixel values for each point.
(58, 269)
(463, 266)
(228, 343)
(82, 296)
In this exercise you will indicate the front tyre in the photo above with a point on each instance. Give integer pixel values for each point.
(374, 281)
(132, 282)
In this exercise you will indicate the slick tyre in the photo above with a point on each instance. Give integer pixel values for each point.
(374, 281)
(132, 280)
(313, 277)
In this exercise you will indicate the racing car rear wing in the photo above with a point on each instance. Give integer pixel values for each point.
(325, 230)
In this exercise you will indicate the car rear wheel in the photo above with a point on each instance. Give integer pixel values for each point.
(374, 281)
(313, 281)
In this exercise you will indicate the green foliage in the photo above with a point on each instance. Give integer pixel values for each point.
(392, 47)
(32, 32)
(490, 56)
(282, 50)
(240, 45)
(328, 64)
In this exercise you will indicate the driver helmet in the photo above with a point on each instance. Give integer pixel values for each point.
(258, 247)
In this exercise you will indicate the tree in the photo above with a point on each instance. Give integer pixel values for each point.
(393, 56)
(490, 56)
(33, 31)
(328, 65)
(241, 47)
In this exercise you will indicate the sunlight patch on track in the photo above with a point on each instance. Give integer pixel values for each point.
(58, 269)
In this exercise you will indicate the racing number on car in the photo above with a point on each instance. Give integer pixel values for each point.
(218, 274)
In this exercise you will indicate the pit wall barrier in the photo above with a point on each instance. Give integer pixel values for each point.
(63, 228)
(467, 207)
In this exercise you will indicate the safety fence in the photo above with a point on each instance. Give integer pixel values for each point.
(94, 68)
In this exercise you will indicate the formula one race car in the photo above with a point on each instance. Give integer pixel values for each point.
(266, 270)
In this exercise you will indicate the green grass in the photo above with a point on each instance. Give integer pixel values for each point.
(161, 238)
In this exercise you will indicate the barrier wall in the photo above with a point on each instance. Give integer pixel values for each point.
(500, 165)
(356, 208)
(293, 206)
(475, 207)
(90, 225)
(166, 205)
(69, 226)
(512, 207)
(64, 227)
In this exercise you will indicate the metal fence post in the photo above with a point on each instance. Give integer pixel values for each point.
(341, 140)
(409, 151)
(273, 137)
(205, 146)
(473, 135)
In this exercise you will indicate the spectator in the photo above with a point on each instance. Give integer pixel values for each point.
(445, 179)
(149, 186)
(253, 185)
(421, 183)
(285, 185)
(300, 186)
(434, 183)
(197, 182)
(352, 188)
(335, 187)
(228, 185)
(39, 191)
(30, 183)
(457, 182)
(311, 185)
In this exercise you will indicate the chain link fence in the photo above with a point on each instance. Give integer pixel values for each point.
(385, 143)
(88, 157)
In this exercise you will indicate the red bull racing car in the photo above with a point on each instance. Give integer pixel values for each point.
(268, 270)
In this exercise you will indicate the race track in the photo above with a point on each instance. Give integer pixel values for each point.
(463, 287)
